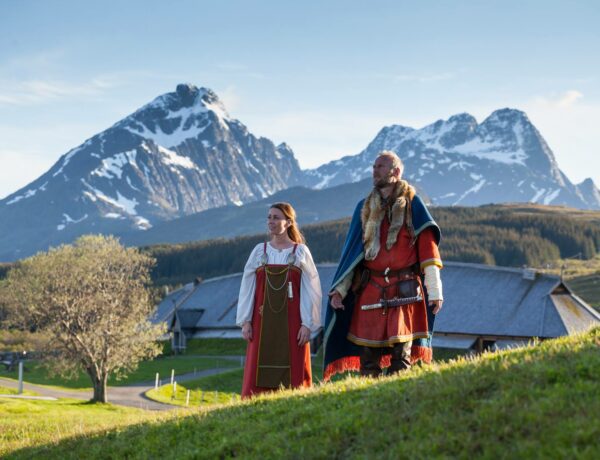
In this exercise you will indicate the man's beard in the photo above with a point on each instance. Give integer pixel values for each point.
(383, 182)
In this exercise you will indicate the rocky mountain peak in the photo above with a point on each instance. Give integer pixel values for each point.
(505, 117)
(460, 162)
(589, 193)
(187, 93)
(457, 130)
(175, 156)
(587, 183)
(463, 119)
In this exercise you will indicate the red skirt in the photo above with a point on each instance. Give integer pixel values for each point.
(300, 370)
(378, 328)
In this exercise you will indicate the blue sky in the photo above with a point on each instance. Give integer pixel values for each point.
(323, 76)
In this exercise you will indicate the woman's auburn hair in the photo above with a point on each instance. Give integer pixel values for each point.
(293, 231)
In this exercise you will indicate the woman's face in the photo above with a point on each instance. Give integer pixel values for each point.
(276, 222)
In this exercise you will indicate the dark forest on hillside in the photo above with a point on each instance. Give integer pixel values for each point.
(495, 234)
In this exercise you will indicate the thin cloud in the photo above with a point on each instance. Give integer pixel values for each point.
(33, 92)
(230, 98)
(34, 63)
(562, 101)
(569, 98)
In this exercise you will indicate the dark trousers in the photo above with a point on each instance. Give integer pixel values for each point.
(370, 356)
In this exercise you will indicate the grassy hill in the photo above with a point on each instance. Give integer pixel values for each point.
(537, 402)
(588, 288)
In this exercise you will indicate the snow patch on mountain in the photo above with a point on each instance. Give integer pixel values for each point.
(67, 158)
(493, 151)
(69, 220)
(128, 180)
(171, 158)
(112, 167)
(551, 196)
(473, 189)
(127, 205)
(28, 194)
(142, 223)
(177, 137)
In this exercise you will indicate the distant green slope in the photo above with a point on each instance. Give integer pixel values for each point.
(507, 235)
(588, 288)
(538, 402)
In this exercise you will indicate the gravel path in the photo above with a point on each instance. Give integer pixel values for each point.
(128, 395)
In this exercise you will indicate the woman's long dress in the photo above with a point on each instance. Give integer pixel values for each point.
(285, 296)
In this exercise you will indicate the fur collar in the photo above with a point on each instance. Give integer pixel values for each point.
(374, 210)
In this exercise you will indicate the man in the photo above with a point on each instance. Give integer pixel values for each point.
(379, 315)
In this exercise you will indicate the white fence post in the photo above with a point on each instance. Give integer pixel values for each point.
(156, 383)
(20, 377)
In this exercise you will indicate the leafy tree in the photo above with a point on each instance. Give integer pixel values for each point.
(92, 298)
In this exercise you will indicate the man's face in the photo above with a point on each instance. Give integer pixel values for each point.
(383, 172)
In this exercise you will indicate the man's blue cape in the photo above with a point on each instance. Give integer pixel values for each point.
(341, 354)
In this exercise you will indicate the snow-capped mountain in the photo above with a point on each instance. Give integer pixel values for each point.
(461, 162)
(589, 193)
(180, 154)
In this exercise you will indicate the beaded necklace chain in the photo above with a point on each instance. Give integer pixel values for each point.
(291, 259)
(276, 310)
(267, 273)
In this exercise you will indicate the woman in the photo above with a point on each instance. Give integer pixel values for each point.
(279, 306)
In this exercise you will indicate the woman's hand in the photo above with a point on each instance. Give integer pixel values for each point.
(247, 331)
(303, 335)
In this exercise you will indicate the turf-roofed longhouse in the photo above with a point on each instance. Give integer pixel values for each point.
(484, 307)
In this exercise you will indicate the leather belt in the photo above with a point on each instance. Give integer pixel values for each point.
(401, 274)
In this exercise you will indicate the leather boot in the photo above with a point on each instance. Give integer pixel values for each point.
(369, 361)
(400, 357)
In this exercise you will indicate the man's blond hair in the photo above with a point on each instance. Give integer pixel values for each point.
(395, 159)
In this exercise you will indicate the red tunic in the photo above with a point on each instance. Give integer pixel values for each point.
(373, 328)
(301, 374)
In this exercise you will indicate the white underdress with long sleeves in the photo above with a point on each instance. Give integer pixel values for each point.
(310, 285)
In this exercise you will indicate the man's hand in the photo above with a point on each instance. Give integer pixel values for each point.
(437, 305)
(336, 300)
(303, 335)
(247, 331)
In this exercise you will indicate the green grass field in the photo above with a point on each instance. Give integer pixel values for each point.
(214, 389)
(27, 423)
(536, 402)
(14, 391)
(146, 372)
